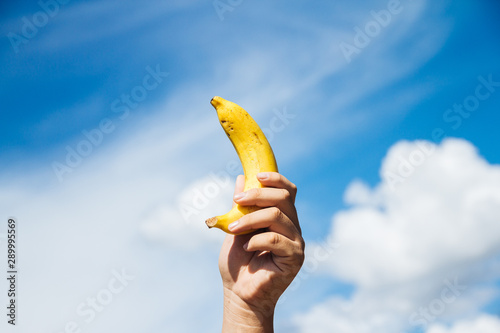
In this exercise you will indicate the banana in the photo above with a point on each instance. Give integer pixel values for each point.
(254, 151)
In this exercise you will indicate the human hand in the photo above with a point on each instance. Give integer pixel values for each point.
(256, 268)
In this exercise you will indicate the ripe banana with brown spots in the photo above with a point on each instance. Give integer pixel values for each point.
(253, 149)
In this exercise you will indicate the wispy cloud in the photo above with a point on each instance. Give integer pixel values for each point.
(121, 206)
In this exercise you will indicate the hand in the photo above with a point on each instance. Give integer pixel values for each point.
(256, 268)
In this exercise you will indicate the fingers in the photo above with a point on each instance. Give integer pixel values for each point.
(266, 197)
(284, 190)
(278, 190)
(275, 243)
(274, 179)
(280, 194)
(280, 230)
(271, 218)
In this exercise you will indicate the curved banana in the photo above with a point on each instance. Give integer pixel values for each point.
(254, 151)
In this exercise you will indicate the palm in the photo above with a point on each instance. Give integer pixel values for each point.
(247, 274)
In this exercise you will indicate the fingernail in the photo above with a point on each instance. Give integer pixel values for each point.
(239, 196)
(263, 175)
(233, 225)
(245, 246)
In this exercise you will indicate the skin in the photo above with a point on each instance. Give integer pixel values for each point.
(256, 268)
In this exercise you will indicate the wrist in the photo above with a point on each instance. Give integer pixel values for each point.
(241, 316)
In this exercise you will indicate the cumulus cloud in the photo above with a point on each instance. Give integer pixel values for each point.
(444, 210)
(408, 246)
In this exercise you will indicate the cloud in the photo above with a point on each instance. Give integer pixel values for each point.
(298, 65)
(483, 324)
(435, 231)
(444, 212)
(179, 224)
(365, 313)
(119, 210)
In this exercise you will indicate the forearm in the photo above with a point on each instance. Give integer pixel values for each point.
(242, 317)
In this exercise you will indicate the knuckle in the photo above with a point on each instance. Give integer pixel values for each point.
(274, 238)
(257, 192)
(286, 195)
(302, 244)
(293, 188)
(299, 254)
(277, 213)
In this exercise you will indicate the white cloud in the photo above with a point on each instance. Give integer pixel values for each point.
(482, 324)
(364, 313)
(412, 250)
(180, 224)
(443, 212)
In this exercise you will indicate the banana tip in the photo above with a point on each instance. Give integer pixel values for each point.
(211, 222)
(216, 101)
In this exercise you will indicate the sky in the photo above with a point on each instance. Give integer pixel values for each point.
(384, 114)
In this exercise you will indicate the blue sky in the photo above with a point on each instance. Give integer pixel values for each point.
(137, 78)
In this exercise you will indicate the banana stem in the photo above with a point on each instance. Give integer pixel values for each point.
(211, 222)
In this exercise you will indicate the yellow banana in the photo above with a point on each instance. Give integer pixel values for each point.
(254, 151)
